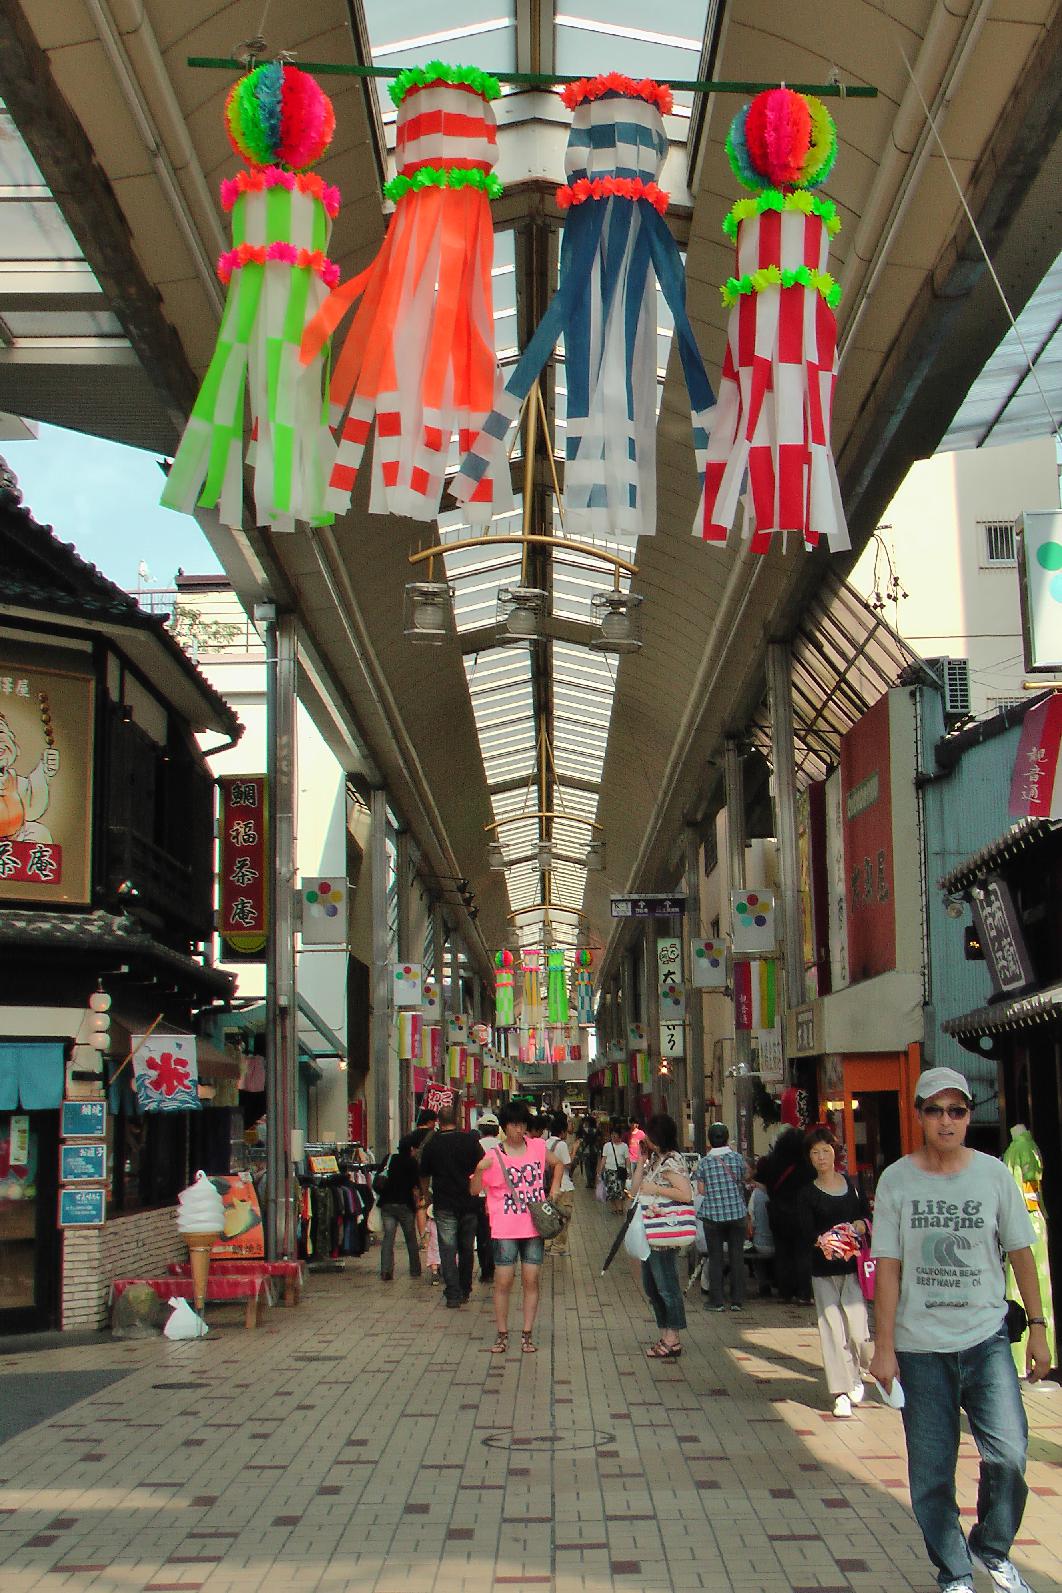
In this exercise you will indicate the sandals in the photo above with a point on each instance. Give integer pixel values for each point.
(500, 1345)
(526, 1346)
(663, 1352)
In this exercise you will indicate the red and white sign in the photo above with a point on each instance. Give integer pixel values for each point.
(243, 867)
(1035, 788)
(436, 1096)
(867, 824)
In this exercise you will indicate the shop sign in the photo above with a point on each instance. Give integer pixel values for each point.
(83, 1164)
(243, 867)
(709, 964)
(408, 984)
(242, 1235)
(673, 1040)
(165, 1072)
(82, 1208)
(866, 789)
(18, 1142)
(670, 989)
(650, 905)
(1001, 937)
(83, 1119)
(436, 1096)
(1035, 787)
(46, 766)
(805, 1030)
(324, 910)
(770, 1057)
(752, 920)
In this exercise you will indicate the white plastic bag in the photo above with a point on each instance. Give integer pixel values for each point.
(634, 1241)
(184, 1323)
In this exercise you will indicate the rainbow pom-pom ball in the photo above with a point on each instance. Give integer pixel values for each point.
(782, 140)
(279, 116)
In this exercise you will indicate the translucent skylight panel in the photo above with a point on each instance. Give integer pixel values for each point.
(33, 229)
(413, 33)
(62, 323)
(606, 37)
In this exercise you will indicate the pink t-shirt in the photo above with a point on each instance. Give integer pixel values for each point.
(637, 1135)
(509, 1218)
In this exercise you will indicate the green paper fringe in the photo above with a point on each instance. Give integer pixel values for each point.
(444, 177)
(772, 277)
(775, 199)
(470, 77)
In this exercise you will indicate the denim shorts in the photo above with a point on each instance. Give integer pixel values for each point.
(530, 1251)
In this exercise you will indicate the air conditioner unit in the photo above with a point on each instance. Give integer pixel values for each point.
(954, 677)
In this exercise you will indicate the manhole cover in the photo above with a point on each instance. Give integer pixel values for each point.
(549, 1443)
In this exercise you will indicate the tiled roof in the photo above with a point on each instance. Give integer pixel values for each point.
(1023, 1012)
(39, 571)
(102, 932)
(1020, 836)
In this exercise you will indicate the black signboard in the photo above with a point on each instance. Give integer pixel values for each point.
(647, 906)
(1001, 937)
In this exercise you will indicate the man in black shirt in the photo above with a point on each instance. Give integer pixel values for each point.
(448, 1160)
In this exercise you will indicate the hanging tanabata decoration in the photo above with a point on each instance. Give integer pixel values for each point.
(504, 980)
(772, 420)
(419, 356)
(584, 988)
(615, 244)
(556, 988)
(531, 1013)
(278, 275)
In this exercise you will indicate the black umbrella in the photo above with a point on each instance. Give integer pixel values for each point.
(624, 1225)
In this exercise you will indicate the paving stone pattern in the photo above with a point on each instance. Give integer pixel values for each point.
(367, 1441)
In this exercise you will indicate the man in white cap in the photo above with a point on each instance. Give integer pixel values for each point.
(942, 1217)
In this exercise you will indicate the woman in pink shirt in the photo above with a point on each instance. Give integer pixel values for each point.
(512, 1176)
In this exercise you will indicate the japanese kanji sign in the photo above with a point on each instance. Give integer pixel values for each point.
(1035, 788)
(165, 1072)
(46, 768)
(243, 866)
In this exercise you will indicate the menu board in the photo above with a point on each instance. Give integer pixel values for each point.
(83, 1164)
(83, 1119)
(82, 1208)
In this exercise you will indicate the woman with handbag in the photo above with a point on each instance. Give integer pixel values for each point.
(513, 1177)
(664, 1194)
(834, 1219)
(613, 1168)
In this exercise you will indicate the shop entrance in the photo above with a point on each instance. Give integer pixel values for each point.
(29, 1247)
(876, 1132)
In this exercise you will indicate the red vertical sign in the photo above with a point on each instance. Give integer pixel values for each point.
(866, 817)
(1035, 789)
(243, 866)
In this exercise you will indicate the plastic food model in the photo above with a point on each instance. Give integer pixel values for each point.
(278, 274)
(772, 420)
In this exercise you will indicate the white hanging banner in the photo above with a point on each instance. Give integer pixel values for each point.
(324, 910)
(768, 1043)
(752, 920)
(709, 964)
(408, 984)
(672, 1040)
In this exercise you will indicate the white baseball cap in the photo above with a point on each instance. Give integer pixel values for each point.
(933, 1080)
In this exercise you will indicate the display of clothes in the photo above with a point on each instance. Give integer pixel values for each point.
(333, 1211)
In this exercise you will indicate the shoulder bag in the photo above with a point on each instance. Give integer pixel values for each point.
(669, 1224)
(545, 1217)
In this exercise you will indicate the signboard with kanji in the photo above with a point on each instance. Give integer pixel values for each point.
(165, 1072)
(647, 906)
(243, 866)
(46, 757)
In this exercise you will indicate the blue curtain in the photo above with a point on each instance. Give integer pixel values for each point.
(31, 1074)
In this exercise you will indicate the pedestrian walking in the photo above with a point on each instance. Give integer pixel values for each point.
(514, 1176)
(834, 1216)
(942, 1218)
(557, 1146)
(448, 1161)
(397, 1188)
(489, 1136)
(759, 1231)
(660, 1177)
(787, 1172)
(613, 1168)
(723, 1209)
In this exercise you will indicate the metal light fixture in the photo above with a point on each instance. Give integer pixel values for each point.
(496, 856)
(429, 612)
(545, 857)
(594, 861)
(619, 629)
(520, 614)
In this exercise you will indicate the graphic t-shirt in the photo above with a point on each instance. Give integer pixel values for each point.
(946, 1231)
(507, 1209)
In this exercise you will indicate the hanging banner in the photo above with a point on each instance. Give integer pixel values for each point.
(457, 1029)
(324, 911)
(165, 1072)
(430, 1004)
(669, 978)
(409, 1026)
(637, 1037)
(243, 866)
(1035, 786)
(709, 964)
(672, 1040)
(1039, 557)
(752, 920)
(769, 1056)
(436, 1096)
(756, 994)
(408, 984)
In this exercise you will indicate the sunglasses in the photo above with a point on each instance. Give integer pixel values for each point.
(956, 1113)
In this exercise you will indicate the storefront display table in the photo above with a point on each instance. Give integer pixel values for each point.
(290, 1273)
(252, 1286)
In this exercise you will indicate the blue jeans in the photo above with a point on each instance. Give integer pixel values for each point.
(662, 1289)
(394, 1216)
(982, 1382)
(457, 1248)
(530, 1252)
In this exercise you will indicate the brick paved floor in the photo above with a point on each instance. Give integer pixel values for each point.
(367, 1441)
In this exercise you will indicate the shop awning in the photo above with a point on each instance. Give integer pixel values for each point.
(1041, 1011)
(1019, 838)
(31, 1075)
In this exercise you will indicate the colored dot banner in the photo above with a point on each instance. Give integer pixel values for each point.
(708, 968)
(408, 984)
(752, 919)
(1040, 555)
(324, 910)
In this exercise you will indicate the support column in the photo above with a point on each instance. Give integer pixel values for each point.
(381, 980)
(405, 954)
(281, 1041)
(783, 759)
(694, 998)
(735, 857)
(652, 1014)
(626, 1002)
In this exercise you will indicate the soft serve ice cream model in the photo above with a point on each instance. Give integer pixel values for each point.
(200, 1222)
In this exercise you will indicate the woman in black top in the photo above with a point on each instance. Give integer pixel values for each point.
(397, 1188)
(785, 1175)
(833, 1198)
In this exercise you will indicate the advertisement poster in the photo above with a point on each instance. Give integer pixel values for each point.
(243, 1237)
(165, 1072)
(243, 865)
(46, 748)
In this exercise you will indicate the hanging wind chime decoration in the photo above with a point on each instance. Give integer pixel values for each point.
(419, 357)
(584, 989)
(278, 275)
(615, 248)
(556, 989)
(772, 420)
(504, 981)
